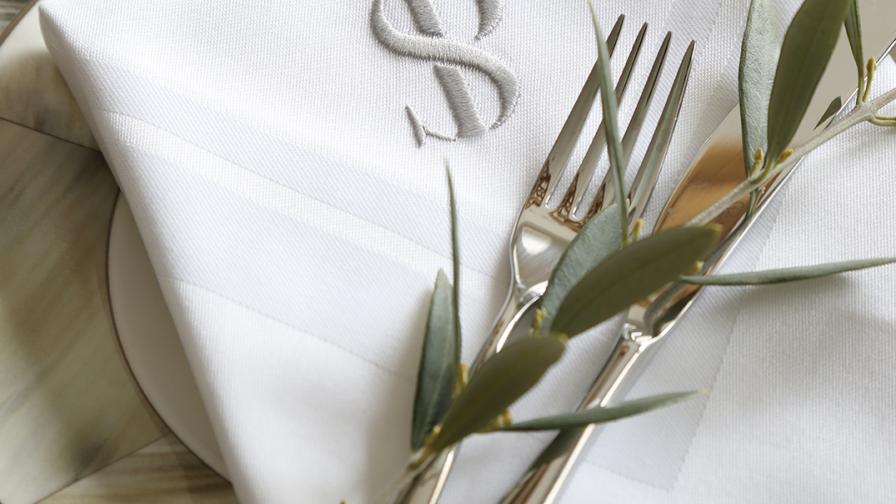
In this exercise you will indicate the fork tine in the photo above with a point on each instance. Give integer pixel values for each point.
(637, 121)
(558, 158)
(649, 171)
(583, 177)
(633, 131)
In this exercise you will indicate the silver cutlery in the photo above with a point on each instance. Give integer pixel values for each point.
(543, 231)
(719, 168)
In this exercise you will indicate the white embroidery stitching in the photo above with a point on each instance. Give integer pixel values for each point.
(434, 47)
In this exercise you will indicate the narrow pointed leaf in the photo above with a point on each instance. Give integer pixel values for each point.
(758, 58)
(455, 262)
(831, 111)
(630, 275)
(595, 242)
(437, 372)
(500, 381)
(785, 275)
(854, 33)
(805, 54)
(571, 426)
(599, 414)
(559, 446)
(611, 121)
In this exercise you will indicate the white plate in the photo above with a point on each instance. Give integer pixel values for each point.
(150, 342)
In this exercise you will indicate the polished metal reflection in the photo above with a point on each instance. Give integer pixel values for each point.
(543, 231)
(719, 169)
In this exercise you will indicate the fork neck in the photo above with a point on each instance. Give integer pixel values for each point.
(519, 303)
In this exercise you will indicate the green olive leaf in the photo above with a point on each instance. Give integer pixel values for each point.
(758, 57)
(437, 372)
(455, 263)
(559, 446)
(805, 54)
(854, 33)
(599, 414)
(567, 437)
(595, 242)
(440, 359)
(785, 275)
(831, 111)
(500, 382)
(611, 121)
(630, 275)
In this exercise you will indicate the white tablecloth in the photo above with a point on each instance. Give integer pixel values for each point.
(296, 228)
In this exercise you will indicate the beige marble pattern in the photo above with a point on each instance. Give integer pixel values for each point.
(68, 405)
(71, 415)
(163, 472)
(37, 97)
(8, 10)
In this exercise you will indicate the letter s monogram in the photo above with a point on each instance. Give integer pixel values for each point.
(432, 46)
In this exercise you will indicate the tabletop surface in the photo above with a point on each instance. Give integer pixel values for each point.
(74, 426)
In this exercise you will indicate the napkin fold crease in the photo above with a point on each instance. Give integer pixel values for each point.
(296, 227)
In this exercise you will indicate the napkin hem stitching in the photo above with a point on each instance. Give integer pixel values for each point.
(291, 189)
(278, 320)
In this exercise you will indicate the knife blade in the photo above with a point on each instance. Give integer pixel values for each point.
(718, 168)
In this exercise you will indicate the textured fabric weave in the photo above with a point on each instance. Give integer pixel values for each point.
(296, 228)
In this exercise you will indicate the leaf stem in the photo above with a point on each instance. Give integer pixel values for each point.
(865, 112)
(883, 121)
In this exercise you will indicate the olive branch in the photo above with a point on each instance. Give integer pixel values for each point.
(606, 269)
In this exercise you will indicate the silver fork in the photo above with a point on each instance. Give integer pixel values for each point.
(542, 233)
(649, 322)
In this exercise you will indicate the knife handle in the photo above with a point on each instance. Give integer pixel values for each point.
(426, 485)
(543, 482)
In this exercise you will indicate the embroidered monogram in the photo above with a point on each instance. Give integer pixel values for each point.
(425, 17)
(490, 12)
(431, 45)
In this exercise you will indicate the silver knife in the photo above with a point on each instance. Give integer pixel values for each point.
(719, 168)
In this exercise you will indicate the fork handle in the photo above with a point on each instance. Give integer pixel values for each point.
(427, 486)
(543, 481)
(515, 308)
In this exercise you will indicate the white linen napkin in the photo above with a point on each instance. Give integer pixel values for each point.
(296, 228)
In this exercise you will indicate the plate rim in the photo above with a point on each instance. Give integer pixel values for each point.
(121, 200)
(5, 34)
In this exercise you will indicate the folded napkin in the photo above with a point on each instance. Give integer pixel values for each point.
(284, 159)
